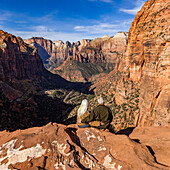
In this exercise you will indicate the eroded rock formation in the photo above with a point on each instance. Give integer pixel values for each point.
(56, 146)
(54, 53)
(97, 56)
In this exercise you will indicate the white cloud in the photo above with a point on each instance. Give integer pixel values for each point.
(51, 35)
(5, 15)
(126, 22)
(131, 11)
(102, 28)
(106, 1)
(52, 27)
(41, 28)
(138, 6)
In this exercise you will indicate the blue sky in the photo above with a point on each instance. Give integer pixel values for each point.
(71, 20)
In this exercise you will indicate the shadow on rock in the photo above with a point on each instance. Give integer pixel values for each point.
(41, 110)
(72, 120)
(49, 81)
(153, 154)
(127, 131)
(75, 139)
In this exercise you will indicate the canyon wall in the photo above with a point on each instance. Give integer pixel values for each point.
(148, 61)
(141, 79)
(53, 53)
(104, 49)
(18, 60)
(96, 57)
(24, 84)
(81, 60)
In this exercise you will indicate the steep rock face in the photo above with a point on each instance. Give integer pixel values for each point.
(17, 59)
(143, 74)
(47, 48)
(105, 49)
(148, 61)
(57, 55)
(56, 146)
(43, 46)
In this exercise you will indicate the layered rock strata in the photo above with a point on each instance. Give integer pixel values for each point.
(54, 53)
(101, 53)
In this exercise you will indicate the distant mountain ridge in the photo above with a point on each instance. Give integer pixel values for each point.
(66, 59)
(54, 53)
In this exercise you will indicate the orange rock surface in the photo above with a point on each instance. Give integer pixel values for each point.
(148, 60)
(157, 139)
(56, 146)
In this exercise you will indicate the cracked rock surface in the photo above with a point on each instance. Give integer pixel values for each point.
(57, 146)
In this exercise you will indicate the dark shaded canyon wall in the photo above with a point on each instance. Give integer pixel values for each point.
(18, 60)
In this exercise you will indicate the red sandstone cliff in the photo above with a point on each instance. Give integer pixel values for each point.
(148, 61)
(104, 49)
(53, 53)
(143, 74)
(23, 80)
(17, 59)
(100, 52)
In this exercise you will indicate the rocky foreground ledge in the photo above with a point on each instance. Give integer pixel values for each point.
(57, 146)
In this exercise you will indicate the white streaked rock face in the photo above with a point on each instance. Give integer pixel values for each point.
(58, 43)
(121, 35)
(17, 155)
(109, 165)
(89, 135)
(60, 147)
